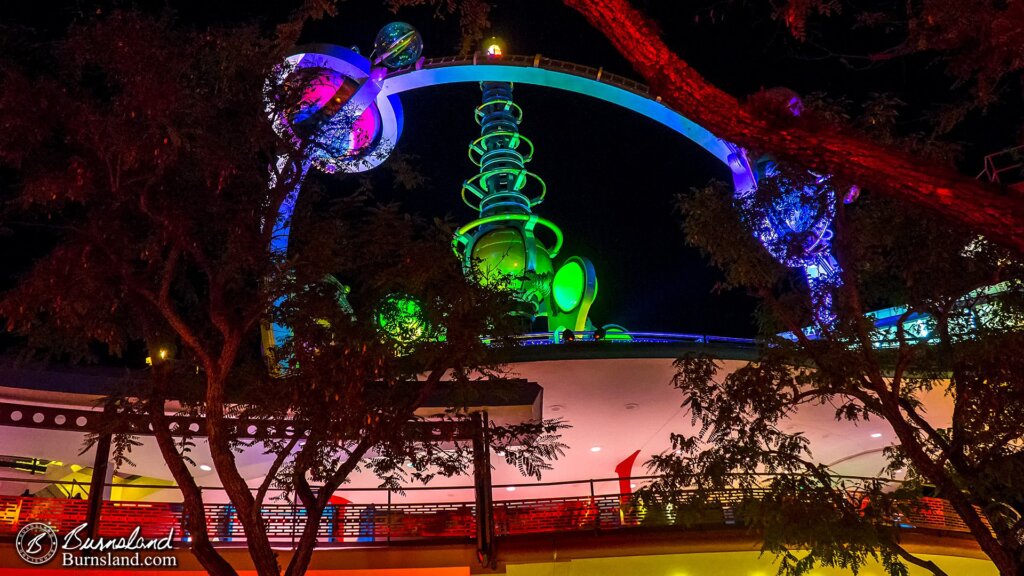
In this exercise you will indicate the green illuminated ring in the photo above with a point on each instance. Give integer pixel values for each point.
(509, 105)
(462, 233)
(481, 178)
(514, 140)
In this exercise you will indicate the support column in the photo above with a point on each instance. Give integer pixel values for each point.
(101, 474)
(485, 547)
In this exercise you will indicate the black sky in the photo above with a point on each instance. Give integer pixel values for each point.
(611, 174)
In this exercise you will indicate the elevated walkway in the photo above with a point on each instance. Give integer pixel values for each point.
(604, 534)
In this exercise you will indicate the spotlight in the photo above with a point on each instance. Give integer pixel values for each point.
(600, 333)
(568, 336)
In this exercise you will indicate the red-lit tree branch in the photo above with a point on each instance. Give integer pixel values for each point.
(989, 209)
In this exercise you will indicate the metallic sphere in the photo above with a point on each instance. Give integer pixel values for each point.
(397, 45)
(502, 257)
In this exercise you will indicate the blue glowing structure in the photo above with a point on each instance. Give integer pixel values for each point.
(341, 123)
(796, 230)
(979, 309)
(352, 118)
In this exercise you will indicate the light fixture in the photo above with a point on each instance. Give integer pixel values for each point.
(493, 48)
(876, 435)
(511, 488)
(632, 486)
(205, 467)
(595, 448)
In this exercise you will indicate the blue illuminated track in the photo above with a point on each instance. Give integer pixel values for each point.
(375, 105)
(539, 71)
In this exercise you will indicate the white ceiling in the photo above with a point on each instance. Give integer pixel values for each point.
(614, 405)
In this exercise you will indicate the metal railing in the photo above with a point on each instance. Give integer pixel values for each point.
(392, 518)
(1005, 166)
(543, 338)
(534, 61)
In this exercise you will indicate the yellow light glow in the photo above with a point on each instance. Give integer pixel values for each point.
(494, 51)
(163, 354)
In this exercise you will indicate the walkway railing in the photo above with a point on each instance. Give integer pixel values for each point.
(1005, 167)
(385, 522)
(534, 61)
(544, 338)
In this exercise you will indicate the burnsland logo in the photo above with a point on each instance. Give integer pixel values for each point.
(38, 543)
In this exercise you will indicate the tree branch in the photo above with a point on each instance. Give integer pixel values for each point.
(192, 496)
(981, 206)
(261, 493)
(926, 564)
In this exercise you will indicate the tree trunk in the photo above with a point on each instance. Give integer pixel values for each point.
(194, 512)
(994, 211)
(307, 541)
(316, 504)
(264, 558)
(1000, 555)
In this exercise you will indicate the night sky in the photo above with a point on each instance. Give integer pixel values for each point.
(611, 174)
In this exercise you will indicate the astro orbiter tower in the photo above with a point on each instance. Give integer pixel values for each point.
(503, 243)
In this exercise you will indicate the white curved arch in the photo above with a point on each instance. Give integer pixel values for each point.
(450, 71)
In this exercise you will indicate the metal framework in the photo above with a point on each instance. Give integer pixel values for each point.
(385, 521)
(499, 191)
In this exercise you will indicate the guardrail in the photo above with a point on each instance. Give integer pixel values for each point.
(1005, 166)
(533, 61)
(544, 338)
(389, 521)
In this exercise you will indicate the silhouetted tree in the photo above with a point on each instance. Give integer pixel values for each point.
(827, 146)
(144, 147)
(955, 337)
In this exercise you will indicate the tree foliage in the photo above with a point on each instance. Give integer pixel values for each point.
(144, 148)
(977, 42)
(955, 337)
(474, 17)
(826, 148)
